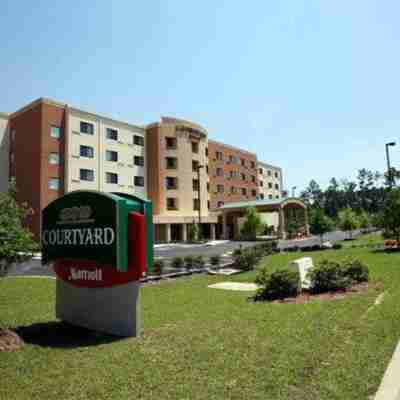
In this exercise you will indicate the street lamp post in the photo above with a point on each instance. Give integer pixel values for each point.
(198, 194)
(390, 175)
(294, 190)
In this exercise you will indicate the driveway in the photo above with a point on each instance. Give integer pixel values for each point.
(168, 251)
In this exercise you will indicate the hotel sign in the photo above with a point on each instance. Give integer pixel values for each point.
(86, 226)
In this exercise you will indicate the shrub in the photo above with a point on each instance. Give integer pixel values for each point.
(158, 267)
(337, 246)
(328, 276)
(199, 261)
(189, 262)
(237, 252)
(178, 263)
(246, 260)
(215, 260)
(279, 284)
(356, 271)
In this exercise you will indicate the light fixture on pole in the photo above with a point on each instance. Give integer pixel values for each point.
(294, 190)
(390, 174)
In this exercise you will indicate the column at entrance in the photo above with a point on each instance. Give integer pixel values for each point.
(184, 232)
(167, 233)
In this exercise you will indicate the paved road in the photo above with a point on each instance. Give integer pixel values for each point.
(167, 252)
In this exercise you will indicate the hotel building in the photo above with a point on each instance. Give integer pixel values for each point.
(270, 182)
(178, 179)
(56, 148)
(4, 152)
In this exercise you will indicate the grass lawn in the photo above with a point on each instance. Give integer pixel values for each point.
(201, 343)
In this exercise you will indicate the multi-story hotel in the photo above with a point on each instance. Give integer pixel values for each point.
(233, 174)
(4, 152)
(51, 148)
(270, 182)
(178, 179)
(56, 148)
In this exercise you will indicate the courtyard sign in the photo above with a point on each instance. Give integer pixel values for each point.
(100, 245)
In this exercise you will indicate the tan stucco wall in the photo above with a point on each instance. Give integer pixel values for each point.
(185, 193)
(125, 148)
(4, 153)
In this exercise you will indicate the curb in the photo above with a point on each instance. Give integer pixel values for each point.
(389, 388)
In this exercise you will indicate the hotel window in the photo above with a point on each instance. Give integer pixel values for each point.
(254, 193)
(233, 159)
(243, 177)
(261, 183)
(86, 175)
(261, 196)
(55, 132)
(220, 172)
(243, 162)
(195, 147)
(269, 173)
(196, 204)
(54, 158)
(172, 203)
(207, 169)
(253, 178)
(244, 191)
(111, 134)
(276, 186)
(206, 151)
(270, 196)
(138, 140)
(208, 204)
(219, 155)
(277, 196)
(195, 184)
(138, 160)
(138, 181)
(220, 204)
(220, 188)
(54, 183)
(276, 175)
(195, 165)
(170, 142)
(86, 151)
(87, 128)
(171, 183)
(269, 185)
(253, 164)
(261, 171)
(172, 162)
(208, 186)
(111, 156)
(111, 177)
(233, 190)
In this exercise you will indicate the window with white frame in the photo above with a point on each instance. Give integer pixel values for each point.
(111, 156)
(111, 134)
(54, 183)
(54, 158)
(86, 175)
(87, 128)
(111, 177)
(55, 132)
(86, 151)
(138, 181)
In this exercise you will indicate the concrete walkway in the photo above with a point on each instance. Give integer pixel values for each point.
(389, 388)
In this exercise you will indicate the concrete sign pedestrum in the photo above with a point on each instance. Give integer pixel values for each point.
(303, 265)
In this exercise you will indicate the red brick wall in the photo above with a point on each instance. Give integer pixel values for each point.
(31, 148)
(238, 183)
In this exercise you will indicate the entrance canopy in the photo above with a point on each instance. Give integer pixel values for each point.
(291, 216)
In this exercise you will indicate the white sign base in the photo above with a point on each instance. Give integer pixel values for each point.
(303, 265)
(114, 310)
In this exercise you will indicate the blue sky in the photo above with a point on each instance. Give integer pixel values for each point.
(312, 86)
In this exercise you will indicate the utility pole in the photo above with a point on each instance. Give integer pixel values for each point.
(390, 174)
(294, 190)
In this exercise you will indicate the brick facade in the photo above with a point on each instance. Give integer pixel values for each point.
(236, 172)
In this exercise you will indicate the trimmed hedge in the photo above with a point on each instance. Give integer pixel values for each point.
(215, 260)
(178, 263)
(279, 284)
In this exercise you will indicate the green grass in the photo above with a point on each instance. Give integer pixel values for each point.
(201, 343)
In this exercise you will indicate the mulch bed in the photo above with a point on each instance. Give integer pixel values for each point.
(10, 341)
(306, 296)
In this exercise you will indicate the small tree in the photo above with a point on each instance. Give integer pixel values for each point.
(16, 242)
(252, 225)
(348, 221)
(390, 220)
(320, 223)
(365, 221)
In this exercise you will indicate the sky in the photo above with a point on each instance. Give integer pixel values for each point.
(311, 86)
